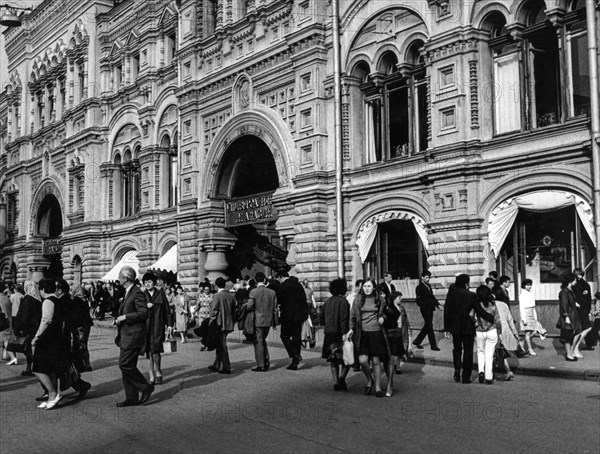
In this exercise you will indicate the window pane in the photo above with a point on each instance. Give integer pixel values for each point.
(398, 122)
(373, 131)
(544, 64)
(422, 116)
(580, 76)
(507, 96)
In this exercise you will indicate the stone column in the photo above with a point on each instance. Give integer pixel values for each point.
(37, 270)
(216, 241)
(3, 215)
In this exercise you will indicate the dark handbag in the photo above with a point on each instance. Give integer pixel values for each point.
(336, 352)
(17, 344)
(191, 323)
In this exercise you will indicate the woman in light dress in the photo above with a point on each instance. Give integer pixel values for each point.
(182, 303)
(529, 318)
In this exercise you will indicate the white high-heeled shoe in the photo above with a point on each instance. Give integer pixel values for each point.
(52, 403)
(532, 353)
(13, 362)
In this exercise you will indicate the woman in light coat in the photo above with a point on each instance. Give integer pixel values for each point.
(181, 312)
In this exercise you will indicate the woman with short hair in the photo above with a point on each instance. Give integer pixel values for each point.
(28, 319)
(568, 321)
(366, 319)
(337, 314)
(529, 318)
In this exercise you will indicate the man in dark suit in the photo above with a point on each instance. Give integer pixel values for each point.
(427, 303)
(292, 301)
(222, 308)
(264, 302)
(386, 287)
(131, 323)
(458, 321)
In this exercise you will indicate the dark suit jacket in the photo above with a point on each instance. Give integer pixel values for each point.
(383, 288)
(158, 318)
(222, 308)
(425, 299)
(264, 301)
(132, 332)
(292, 300)
(29, 316)
(457, 309)
(583, 295)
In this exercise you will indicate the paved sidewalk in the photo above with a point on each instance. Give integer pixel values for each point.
(549, 361)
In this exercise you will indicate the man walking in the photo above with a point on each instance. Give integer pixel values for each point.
(131, 323)
(292, 301)
(458, 322)
(386, 287)
(222, 308)
(264, 302)
(427, 303)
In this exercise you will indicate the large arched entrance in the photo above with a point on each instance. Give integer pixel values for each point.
(247, 179)
(49, 227)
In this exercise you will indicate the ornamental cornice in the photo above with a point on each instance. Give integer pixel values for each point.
(460, 46)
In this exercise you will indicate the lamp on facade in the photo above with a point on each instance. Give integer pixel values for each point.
(9, 17)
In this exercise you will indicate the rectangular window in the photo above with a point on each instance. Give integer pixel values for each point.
(372, 115)
(274, 33)
(170, 48)
(305, 82)
(507, 94)
(446, 76)
(543, 63)
(135, 66)
(448, 118)
(579, 72)
(306, 118)
(118, 76)
(421, 116)
(187, 69)
(307, 154)
(187, 127)
(398, 122)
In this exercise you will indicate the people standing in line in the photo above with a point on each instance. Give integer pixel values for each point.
(509, 338)
(336, 312)
(158, 320)
(568, 321)
(81, 324)
(500, 290)
(366, 331)
(181, 303)
(47, 344)
(292, 303)
(6, 308)
(393, 332)
(583, 297)
(428, 304)
(460, 302)
(529, 318)
(263, 301)
(28, 319)
(222, 309)
(386, 288)
(131, 338)
(487, 335)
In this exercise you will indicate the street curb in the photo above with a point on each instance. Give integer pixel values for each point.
(587, 375)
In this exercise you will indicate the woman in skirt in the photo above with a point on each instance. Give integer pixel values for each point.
(568, 321)
(529, 318)
(337, 314)
(181, 312)
(393, 330)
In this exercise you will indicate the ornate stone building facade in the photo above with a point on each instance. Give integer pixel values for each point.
(137, 125)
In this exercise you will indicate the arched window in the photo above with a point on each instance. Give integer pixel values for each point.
(174, 173)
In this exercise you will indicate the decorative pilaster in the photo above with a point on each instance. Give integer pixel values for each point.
(474, 94)
(428, 102)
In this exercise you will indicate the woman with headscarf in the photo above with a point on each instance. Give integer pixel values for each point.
(28, 319)
(80, 324)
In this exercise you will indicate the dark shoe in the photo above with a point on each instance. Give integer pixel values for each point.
(85, 387)
(481, 377)
(27, 373)
(128, 403)
(146, 394)
(419, 346)
(42, 398)
(457, 375)
(466, 381)
(159, 380)
(293, 366)
(489, 382)
(397, 371)
(379, 394)
(435, 349)
(213, 368)
(571, 359)
(224, 371)
(337, 387)
(258, 369)
(368, 390)
(343, 385)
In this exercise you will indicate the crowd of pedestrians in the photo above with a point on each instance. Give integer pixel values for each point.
(365, 329)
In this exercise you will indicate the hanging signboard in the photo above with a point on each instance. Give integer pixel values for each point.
(250, 210)
(51, 246)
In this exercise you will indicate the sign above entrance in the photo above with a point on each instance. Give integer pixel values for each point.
(51, 246)
(250, 210)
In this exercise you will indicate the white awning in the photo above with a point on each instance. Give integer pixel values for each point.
(167, 262)
(503, 216)
(368, 230)
(129, 259)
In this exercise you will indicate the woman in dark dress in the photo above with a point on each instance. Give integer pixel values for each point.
(155, 333)
(28, 319)
(366, 319)
(47, 344)
(568, 321)
(337, 313)
(80, 324)
(395, 340)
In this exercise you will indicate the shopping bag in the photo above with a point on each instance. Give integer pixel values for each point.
(348, 352)
(17, 344)
(170, 344)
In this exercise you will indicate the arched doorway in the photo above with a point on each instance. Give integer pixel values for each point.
(77, 271)
(49, 227)
(247, 179)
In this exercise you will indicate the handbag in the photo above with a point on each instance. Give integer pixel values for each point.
(336, 352)
(170, 344)
(17, 344)
(348, 349)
